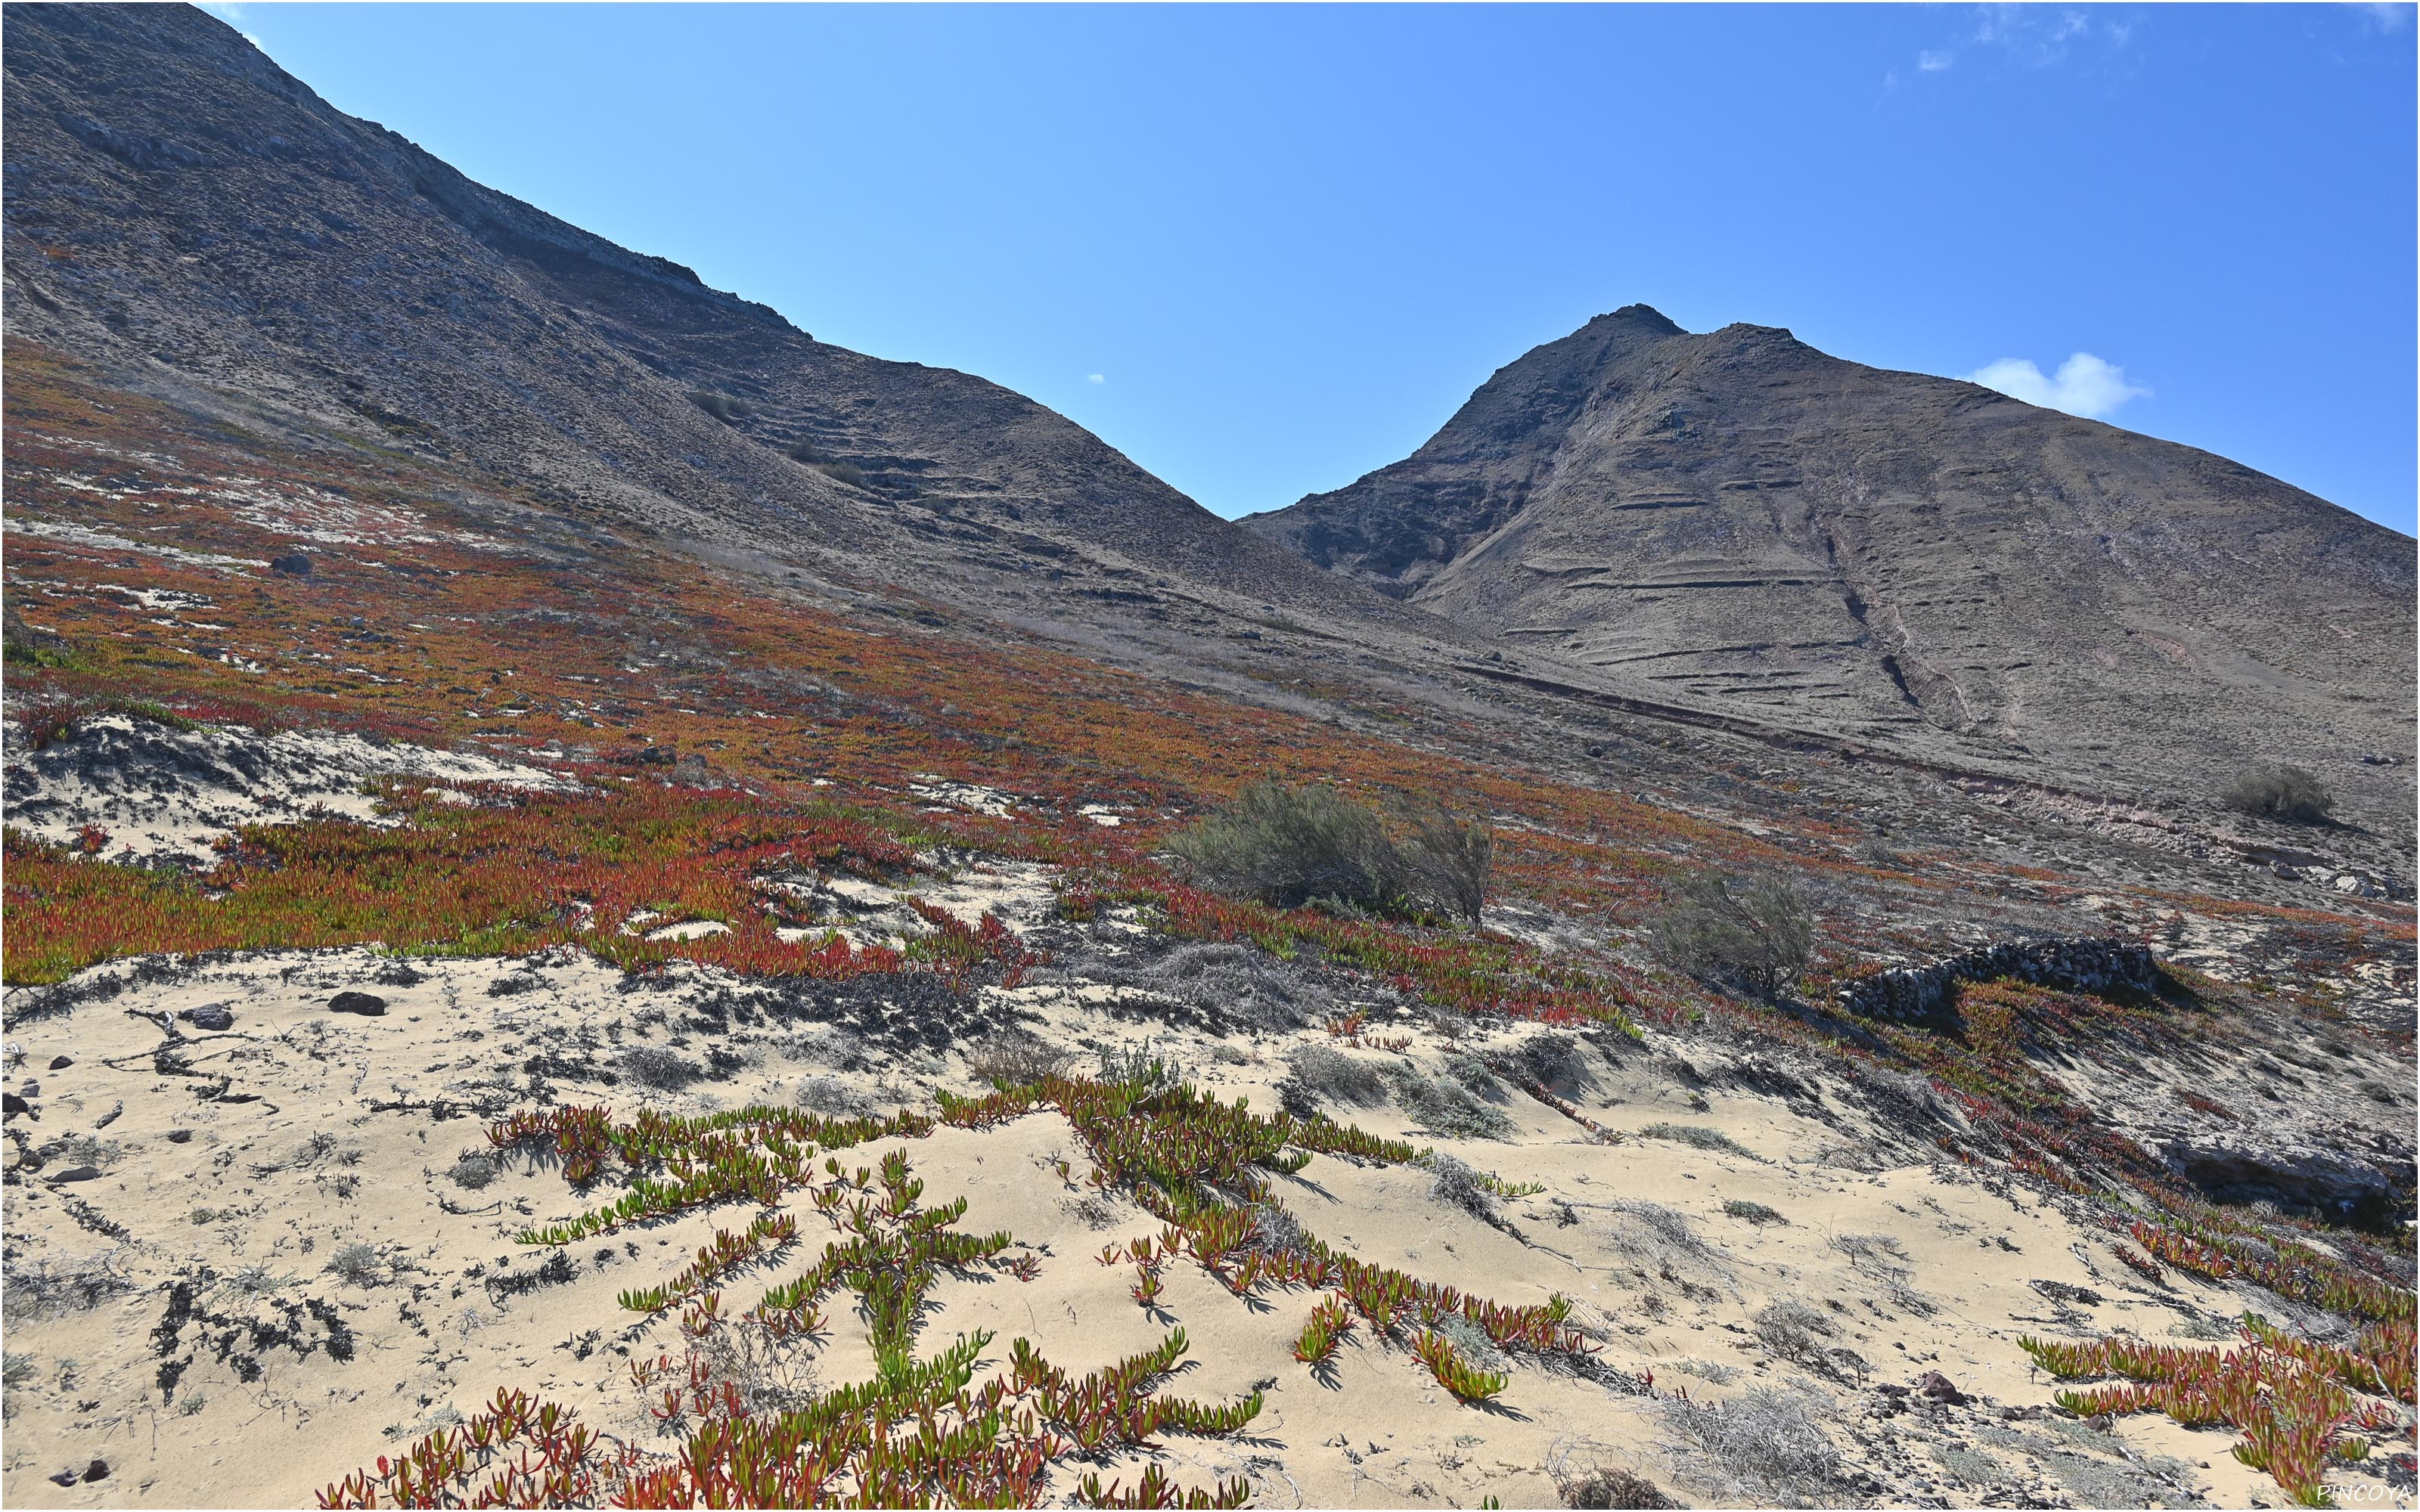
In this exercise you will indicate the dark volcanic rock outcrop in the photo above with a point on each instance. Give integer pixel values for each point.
(1916, 560)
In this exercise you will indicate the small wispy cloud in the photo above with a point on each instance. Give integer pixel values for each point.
(2385, 17)
(1094, 378)
(2084, 385)
(1933, 62)
(2031, 33)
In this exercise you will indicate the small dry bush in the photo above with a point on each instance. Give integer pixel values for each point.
(358, 1263)
(1018, 1059)
(1319, 1073)
(43, 1289)
(1754, 1213)
(1697, 1136)
(1876, 1254)
(832, 1095)
(1764, 1440)
(1583, 1479)
(1755, 934)
(1291, 846)
(1445, 1109)
(1792, 1330)
(1458, 1185)
(474, 1171)
(2280, 792)
(653, 1066)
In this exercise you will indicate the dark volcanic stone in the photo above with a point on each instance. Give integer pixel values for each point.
(369, 1005)
(209, 1016)
(98, 1470)
(79, 1173)
(61, 1062)
(293, 562)
(11, 1105)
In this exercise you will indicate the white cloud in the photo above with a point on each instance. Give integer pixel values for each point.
(1094, 378)
(2084, 384)
(2032, 34)
(2385, 17)
(1934, 62)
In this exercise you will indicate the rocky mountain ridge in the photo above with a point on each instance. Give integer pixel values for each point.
(1916, 561)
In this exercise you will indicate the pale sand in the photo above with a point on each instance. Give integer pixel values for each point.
(437, 1330)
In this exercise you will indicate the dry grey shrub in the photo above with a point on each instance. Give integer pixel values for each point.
(1291, 846)
(1792, 1330)
(1445, 1109)
(474, 1172)
(1755, 934)
(1458, 1185)
(1472, 1342)
(358, 1263)
(832, 1095)
(1319, 1073)
(1697, 1136)
(1276, 1231)
(42, 1290)
(1016, 1058)
(1661, 1242)
(1551, 1058)
(653, 1066)
(1764, 1440)
(1582, 1478)
(2280, 792)
(773, 1375)
(1471, 1074)
(1878, 1255)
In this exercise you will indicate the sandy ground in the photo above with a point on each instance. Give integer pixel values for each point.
(158, 792)
(279, 1218)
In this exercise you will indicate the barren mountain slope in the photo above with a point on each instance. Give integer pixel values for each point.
(1740, 516)
(180, 208)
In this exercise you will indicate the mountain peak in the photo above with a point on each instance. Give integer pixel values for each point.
(1753, 519)
(1643, 315)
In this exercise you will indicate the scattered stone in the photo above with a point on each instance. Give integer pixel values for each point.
(65, 1477)
(79, 1173)
(369, 1005)
(293, 563)
(30, 1088)
(179, 1136)
(62, 1062)
(209, 1016)
(98, 1470)
(2062, 1291)
(11, 1105)
(1941, 1389)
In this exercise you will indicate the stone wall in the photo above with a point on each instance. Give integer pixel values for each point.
(2086, 964)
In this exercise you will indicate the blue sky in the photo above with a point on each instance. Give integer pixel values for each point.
(1263, 250)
